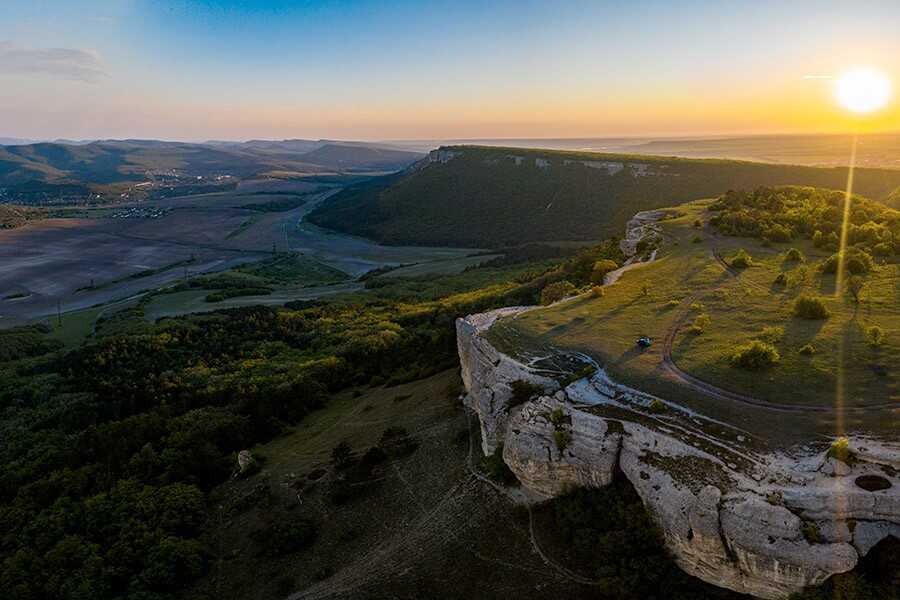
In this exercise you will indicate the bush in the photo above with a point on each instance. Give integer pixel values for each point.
(811, 532)
(554, 292)
(875, 335)
(741, 260)
(698, 223)
(601, 268)
(781, 279)
(558, 417)
(523, 391)
(855, 286)
(778, 233)
(840, 450)
(497, 469)
(856, 262)
(563, 439)
(810, 307)
(342, 455)
(597, 291)
(755, 355)
(772, 334)
(696, 239)
(700, 324)
(793, 255)
(657, 406)
(807, 350)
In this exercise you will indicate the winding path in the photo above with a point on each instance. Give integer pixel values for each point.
(718, 393)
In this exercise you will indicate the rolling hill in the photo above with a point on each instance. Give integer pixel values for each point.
(491, 197)
(131, 161)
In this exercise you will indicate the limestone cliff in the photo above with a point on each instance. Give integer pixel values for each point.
(736, 514)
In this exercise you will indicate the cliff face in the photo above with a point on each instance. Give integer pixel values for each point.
(766, 524)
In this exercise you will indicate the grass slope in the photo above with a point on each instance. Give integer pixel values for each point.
(492, 197)
(688, 281)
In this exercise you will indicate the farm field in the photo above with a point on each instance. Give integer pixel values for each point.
(72, 264)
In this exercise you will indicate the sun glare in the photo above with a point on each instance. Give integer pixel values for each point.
(863, 90)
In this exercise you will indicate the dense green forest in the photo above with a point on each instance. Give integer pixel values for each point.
(495, 197)
(785, 213)
(112, 450)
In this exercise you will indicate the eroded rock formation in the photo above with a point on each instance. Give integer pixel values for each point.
(766, 524)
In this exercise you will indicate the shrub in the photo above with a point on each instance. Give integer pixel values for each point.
(601, 268)
(771, 334)
(755, 355)
(856, 262)
(558, 417)
(657, 406)
(793, 255)
(781, 279)
(597, 291)
(807, 349)
(554, 292)
(586, 371)
(700, 324)
(882, 249)
(523, 391)
(840, 450)
(855, 287)
(811, 532)
(497, 469)
(696, 239)
(741, 260)
(875, 335)
(697, 306)
(778, 233)
(645, 289)
(672, 303)
(562, 438)
(342, 455)
(810, 307)
(698, 223)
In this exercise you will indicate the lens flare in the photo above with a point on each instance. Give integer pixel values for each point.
(863, 90)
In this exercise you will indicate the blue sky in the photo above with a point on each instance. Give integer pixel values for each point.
(379, 70)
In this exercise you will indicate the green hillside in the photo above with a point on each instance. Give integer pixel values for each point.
(489, 197)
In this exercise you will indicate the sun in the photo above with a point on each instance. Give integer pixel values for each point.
(863, 90)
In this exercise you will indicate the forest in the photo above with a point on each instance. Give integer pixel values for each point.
(498, 197)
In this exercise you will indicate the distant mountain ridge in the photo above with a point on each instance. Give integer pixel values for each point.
(105, 162)
(474, 196)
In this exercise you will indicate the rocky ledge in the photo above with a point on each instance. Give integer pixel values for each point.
(756, 520)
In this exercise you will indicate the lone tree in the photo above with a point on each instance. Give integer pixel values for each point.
(855, 287)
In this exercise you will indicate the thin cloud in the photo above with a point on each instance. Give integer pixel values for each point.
(818, 77)
(66, 63)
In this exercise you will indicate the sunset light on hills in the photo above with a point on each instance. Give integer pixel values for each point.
(449, 299)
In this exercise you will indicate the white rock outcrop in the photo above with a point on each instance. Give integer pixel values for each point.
(764, 524)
